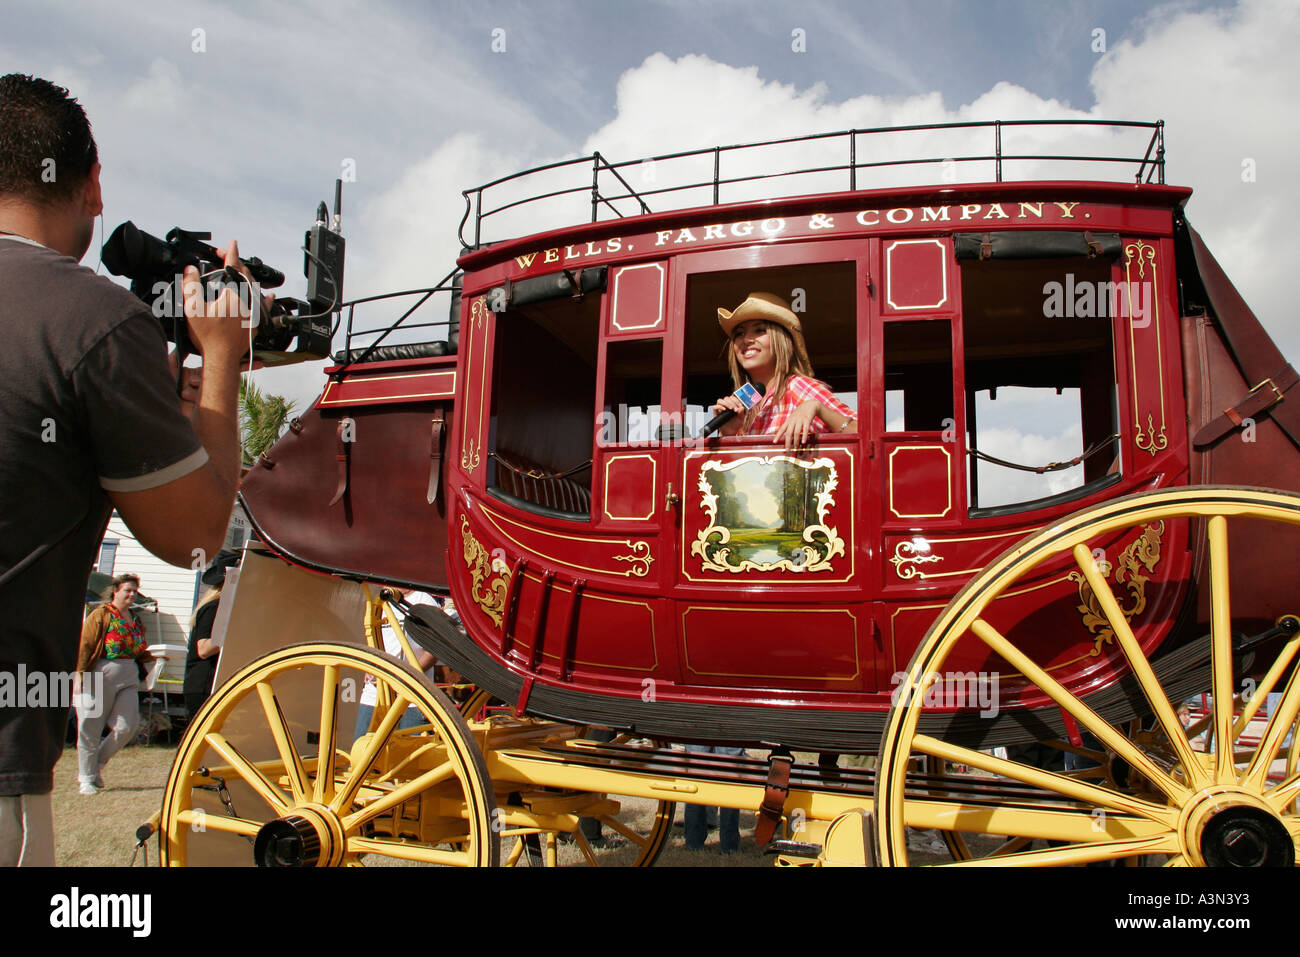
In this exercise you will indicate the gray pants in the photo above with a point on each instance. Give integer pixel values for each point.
(117, 707)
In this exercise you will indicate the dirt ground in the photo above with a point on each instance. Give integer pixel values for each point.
(99, 830)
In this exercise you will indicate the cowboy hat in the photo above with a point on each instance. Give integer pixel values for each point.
(770, 308)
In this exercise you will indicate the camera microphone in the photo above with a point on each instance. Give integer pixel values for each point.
(749, 395)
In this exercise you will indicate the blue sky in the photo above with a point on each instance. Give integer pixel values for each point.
(237, 117)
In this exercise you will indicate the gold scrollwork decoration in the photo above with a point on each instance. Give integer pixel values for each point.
(469, 454)
(469, 459)
(478, 310)
(907, 556)
(1140, 253)
(640, 558)
(490, 577)
(764, 513)
(1132, 571)
(1150, 440)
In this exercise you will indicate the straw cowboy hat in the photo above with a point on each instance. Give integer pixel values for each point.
(766, 306)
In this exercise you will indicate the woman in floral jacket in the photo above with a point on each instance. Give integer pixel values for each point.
(110, 664)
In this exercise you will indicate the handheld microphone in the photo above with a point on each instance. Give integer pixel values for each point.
(749, 395)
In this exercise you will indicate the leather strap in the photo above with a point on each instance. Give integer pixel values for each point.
(775, 792)
(341, 457)
(575, 280)
(1257, 401)
(1251, 349)
(435, 457)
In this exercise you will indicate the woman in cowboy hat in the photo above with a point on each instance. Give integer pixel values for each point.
(767, 349)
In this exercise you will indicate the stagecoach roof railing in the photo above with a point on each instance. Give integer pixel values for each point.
(446, 285)
(1150, 167)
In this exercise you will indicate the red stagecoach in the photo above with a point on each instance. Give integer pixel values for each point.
(925, 590)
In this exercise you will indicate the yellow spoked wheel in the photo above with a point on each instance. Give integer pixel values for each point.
(273, 770)
(1159, 791)
(595, 830)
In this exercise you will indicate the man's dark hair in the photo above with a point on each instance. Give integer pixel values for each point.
(46, 147)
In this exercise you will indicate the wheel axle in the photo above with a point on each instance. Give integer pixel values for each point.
(287, 842)
(1246, 837)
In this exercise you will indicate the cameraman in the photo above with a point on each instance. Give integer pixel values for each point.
(91, 423)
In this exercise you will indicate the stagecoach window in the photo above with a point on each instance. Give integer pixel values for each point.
(823, 295)
(918, 375)
(543, 394)
(1040, 378)
(633, 374)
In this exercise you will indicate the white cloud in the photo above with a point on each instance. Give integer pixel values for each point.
(160, 90)
(1223, 80)
(245, 138)
(1000, 485)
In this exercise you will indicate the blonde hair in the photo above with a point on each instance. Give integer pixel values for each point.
(209, 596)
(788, 363)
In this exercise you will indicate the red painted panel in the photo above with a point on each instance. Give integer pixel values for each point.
(918, 277)
(568, 552)
(926, 560)
(792, 646)
(612, 633)
(630, 481)
(919, 481)
(638, 299)
(389, 388)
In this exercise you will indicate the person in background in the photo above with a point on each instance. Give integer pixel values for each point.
(697, 815)
(110, 665)
(393, 646)
(202, 655)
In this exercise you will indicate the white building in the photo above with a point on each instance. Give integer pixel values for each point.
(176, 590)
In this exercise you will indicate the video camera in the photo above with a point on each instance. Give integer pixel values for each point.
(155, 267)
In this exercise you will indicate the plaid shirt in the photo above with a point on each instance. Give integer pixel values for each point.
(798, 390)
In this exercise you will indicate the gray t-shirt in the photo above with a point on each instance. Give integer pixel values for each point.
(88, 405)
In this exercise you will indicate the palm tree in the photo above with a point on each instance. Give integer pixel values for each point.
(262, 417)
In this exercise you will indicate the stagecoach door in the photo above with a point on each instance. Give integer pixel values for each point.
(771, 550)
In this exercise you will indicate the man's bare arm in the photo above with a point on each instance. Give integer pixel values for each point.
(186, 519)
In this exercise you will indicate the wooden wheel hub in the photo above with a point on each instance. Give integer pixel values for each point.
(1232, 828)
(312, 836)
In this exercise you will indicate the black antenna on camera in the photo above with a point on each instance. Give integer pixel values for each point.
(323, 262)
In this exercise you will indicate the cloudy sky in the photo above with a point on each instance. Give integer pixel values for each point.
(237, 117)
